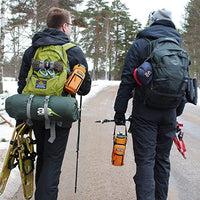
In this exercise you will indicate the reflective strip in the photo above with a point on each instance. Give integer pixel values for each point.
(68, 46)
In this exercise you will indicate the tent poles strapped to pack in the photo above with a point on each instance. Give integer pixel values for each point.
(78, 139)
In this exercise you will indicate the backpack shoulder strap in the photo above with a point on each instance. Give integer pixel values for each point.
(149, 48)
(67, 46)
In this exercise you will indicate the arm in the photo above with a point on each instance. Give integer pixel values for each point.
(76, 56)
(133, 59)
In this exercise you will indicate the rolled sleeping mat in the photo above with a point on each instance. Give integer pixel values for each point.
(53, 108)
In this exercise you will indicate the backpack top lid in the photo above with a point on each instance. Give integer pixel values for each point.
(143, 74)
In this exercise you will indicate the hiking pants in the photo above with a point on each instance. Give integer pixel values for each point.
(49, 160)
(153, 132)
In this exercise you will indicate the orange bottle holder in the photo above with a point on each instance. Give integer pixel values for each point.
(119, 147)
(75, 79)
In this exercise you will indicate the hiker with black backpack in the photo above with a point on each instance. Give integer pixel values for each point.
(156, 78)
(50, 152)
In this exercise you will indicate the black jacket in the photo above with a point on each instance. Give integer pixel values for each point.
(137, 54)
(51, 36)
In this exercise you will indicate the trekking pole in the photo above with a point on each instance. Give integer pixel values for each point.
(111, 120)
(77, 144)
(104, 120)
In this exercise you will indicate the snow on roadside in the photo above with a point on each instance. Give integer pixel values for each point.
(10, 88)
(97, 86)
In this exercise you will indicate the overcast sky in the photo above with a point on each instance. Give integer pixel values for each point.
(140, 9)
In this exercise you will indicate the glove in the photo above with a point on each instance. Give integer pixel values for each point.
(119, 118)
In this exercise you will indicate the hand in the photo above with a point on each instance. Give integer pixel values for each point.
(119, 118)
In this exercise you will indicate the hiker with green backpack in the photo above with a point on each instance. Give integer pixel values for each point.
(46, 65)
(156, 76)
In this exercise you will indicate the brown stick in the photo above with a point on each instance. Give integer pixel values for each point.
(5, 121)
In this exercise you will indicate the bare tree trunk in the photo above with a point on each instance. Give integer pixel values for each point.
(107, 71)
(2, 37)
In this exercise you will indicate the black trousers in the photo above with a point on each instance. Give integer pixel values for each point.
(152, 132)
(49, 160)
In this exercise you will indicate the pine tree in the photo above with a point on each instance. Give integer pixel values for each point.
(107, 43)
(92, 35)
(18, 28)
(28, 17)
(191, 35)
(125, 31)
(77, 20)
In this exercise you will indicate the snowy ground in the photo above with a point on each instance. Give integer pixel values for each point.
(10, 88)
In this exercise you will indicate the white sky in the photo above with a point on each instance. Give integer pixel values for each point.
(140, 9)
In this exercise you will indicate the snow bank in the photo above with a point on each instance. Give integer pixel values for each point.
(10, 88)
(97, 86)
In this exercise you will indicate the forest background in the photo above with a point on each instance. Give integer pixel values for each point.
(104, 31)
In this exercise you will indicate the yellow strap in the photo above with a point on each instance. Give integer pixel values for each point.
(68, 46)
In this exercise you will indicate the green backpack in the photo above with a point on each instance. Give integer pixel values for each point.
(170, 65)
(48, 73)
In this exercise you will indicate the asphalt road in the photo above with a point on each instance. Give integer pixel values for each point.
(99, 180)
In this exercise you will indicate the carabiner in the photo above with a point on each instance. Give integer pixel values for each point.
(52, 74)
(43, 74)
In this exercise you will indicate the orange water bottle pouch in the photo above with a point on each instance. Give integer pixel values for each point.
(119, 146)
(75, 79)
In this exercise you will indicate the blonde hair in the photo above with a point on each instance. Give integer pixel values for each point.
(56, 17)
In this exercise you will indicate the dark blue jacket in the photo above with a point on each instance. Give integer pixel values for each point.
(137, 54)
(51, 36)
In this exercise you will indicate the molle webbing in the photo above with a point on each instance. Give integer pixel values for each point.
(41, 64)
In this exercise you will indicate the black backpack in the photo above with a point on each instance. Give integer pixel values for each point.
(170, 65)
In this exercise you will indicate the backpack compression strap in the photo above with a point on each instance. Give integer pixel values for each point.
(52, 124)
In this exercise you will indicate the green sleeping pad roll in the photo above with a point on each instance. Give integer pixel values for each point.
(53, 108)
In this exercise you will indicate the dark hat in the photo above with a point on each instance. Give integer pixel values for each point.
(160, 14)
(143, 74)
